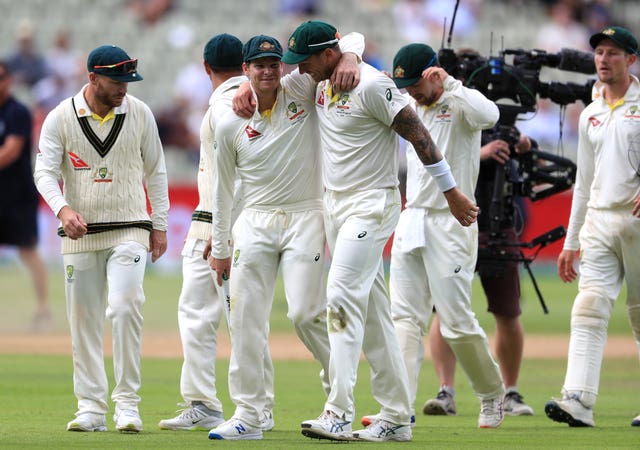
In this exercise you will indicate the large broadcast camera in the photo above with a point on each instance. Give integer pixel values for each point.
(514, 76)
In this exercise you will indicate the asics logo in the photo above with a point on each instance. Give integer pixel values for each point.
(136, 259)
(457, 269)
(337, 427)
(388, 431)
(362, 234)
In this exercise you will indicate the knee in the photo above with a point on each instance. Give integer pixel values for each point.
(126, 303)
(591, 310)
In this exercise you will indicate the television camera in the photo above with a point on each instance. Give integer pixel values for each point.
(514, 76)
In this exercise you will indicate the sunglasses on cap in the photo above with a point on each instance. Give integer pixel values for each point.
(121, 68)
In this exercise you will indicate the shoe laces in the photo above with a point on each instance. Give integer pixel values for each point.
(443, 396)
(190, 412)
(335, 422)
(490, 407)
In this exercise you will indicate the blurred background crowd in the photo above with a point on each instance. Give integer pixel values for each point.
(46, 43)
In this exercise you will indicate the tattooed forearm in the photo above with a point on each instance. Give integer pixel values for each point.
(408, 125)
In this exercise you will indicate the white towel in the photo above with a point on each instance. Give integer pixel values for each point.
(410, 230)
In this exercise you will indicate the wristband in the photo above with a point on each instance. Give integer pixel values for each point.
(441, 173)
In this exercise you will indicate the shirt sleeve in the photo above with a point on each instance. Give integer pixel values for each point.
(582, 188)
(155, 172)
(352, 43)
(48, 165)
(382, 99)
(479, 112)
(224, 169)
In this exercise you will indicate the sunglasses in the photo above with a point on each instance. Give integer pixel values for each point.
(121, 68)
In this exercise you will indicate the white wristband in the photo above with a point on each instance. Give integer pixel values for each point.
(441, 173)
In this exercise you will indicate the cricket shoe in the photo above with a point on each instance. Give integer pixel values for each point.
(368, 420)
(491, 413)
(514, 405)
(234, 430)
(569, 410)
(196, 416)
(381, 430)
(266, 421)
(636, 422)
(328, 426)
(88, 422)
(127, 421)
(443, 405)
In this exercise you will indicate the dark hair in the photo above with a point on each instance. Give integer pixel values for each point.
(5, 66)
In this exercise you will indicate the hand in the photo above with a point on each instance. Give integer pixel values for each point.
(346, 75)
(461, 207)
(157, 244)
(73, 223)
(243, 102)
(435, 75)
(523, 145)
(498, 150)
(222, 267)
(566, 265)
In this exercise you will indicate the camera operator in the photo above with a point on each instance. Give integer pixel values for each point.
(603, 231)
(500, 280)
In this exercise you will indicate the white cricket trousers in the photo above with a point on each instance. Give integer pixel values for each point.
(264, 241)
(610, 253)
(358, 225)
(200, 309)
(108, 279)
(440, 273)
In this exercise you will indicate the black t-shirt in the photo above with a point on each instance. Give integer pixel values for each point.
(16, 180)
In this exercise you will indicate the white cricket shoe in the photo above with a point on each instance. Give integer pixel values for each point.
(88, 422)
(514, 405)
(234, 430)
(127, 421)
(328, 426)
(368, 420)
(569, 410)
(443, 405)
(266, 421)
(196, 416)
(382, 430)
(636, 422)
(491, 413)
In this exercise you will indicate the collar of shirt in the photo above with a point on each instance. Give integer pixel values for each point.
(83, 110)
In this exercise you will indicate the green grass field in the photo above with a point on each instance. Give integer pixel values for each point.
(37, 399)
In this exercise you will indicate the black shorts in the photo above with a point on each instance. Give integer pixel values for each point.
(501, 280)
(19, 225)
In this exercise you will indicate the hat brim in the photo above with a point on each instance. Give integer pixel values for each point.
(598, 37)
(294, 58)
(402, 83)
(126, 78)
(265, 55)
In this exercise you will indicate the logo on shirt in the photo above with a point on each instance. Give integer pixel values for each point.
(633, 112)
(102, 175)
(594, 122)
(444, 113)
(320, 100)
(251, 133)
(388, 95)
(295, 112)
(77, 163)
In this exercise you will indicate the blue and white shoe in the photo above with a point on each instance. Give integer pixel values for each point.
(382, 430)
(235, 430)
(368, 420)
(328, 426)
